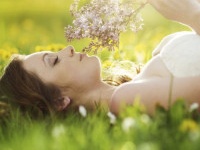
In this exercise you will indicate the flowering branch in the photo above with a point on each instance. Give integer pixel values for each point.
(103, 21)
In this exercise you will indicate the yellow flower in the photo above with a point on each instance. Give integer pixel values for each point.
(51, 47)
(6, 53)
(188, 125)
(140, 47)
(107, 64)
(39, 48)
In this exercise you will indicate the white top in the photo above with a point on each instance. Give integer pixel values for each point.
(181, 54)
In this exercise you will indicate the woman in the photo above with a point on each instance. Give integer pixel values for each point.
(54, 82)
(172, 73)
(48, 81)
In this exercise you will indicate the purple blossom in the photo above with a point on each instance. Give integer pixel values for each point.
(103, 21)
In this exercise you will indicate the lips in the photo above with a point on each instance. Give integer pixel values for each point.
(82, 56)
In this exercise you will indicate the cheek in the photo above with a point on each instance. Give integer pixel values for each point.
(60, 75)
(85, 72)
(89, 70)
(94, 67)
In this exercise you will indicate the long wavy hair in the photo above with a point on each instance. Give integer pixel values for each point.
(26, 90)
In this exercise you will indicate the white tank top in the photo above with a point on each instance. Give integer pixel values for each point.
(181, 55)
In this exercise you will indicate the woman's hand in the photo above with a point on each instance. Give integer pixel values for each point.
(184, 11)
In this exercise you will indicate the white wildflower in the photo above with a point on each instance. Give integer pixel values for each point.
(103, 21)
(194, 136)
(145, 119)
(82, 111)
(128, 145)
(193, 106)
(112, 117)
(58, 131)
(128, 123)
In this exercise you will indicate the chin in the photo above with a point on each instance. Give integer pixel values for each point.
(96, 65)
(96, 60)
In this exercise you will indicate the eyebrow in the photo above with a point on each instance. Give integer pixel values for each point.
(44, 55)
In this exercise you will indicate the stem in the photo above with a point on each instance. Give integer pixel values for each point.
(170, 90)
(170, 99)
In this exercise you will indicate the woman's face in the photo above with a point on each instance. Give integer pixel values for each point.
(66, 68)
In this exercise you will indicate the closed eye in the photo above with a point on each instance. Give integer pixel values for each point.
(55, 61)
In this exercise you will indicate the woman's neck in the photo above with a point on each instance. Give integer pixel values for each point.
(105, 94)
(100, 95)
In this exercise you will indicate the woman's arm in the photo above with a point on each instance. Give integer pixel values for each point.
(149, 92)
(156, 91)
(183, 11)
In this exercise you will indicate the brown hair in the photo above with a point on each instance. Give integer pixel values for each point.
(26, 91)
(116, 80)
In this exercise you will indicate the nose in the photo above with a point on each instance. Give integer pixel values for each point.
(69, 50)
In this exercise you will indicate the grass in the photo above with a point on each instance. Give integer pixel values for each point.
(28, 26)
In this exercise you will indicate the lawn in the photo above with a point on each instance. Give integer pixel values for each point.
(28, 26)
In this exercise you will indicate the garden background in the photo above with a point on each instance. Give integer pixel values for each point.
(27, 26)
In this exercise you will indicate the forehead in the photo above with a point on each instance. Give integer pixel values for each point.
(33, 61)
(36, 54)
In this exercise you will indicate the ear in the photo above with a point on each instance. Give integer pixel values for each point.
(62, 103)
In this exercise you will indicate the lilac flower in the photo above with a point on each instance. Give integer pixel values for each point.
(103, 21)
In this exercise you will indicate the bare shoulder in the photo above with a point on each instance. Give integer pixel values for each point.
(123, 91)
(156, 91)
(146, 90)
(121, 95)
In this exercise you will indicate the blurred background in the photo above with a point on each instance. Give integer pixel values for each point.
(27, 26)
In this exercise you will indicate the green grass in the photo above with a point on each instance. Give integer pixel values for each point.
(174, 129)
(27, 26)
